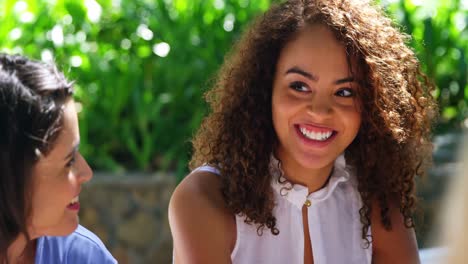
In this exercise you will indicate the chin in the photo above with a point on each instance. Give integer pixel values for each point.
(69, 227)
(315, 162)
(64, 228)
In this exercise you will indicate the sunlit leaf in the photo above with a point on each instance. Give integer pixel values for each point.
(76, 10)
(449, 112)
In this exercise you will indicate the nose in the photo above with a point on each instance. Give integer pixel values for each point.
(84, 172)
(320, 105)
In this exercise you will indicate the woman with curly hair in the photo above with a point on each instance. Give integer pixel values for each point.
(320, 122)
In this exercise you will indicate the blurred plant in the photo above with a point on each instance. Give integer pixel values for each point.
(440, 39)
(141, 67)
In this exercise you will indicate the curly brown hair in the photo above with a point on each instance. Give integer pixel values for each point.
(392, 146)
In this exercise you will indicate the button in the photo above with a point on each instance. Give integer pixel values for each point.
(308, 203)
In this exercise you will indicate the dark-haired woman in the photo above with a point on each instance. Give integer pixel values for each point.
(41, 169)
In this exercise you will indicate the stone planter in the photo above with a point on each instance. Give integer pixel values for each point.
(129, 213)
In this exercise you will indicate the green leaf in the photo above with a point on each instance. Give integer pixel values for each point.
(76, 10)
(449, 112)
(143, 51)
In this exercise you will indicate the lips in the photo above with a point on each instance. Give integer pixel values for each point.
(318, 135)
(74, 204)
(74, 207)
(315, 135)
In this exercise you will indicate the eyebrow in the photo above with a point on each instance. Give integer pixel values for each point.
(313, 77)
(73, 151)
(344, 80)
(299, 71)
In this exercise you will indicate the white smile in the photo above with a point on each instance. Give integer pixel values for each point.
(75, 200)
(318, 136)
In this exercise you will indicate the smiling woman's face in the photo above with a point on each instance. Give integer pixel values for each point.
(57, 180)
(314, 102)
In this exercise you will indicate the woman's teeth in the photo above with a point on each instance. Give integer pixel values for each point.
(75, 200)
(319, 136)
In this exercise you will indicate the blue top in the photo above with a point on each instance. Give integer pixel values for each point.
(80, 247)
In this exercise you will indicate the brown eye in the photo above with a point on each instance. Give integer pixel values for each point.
(71, 161)
(345, 92)
(299, 86)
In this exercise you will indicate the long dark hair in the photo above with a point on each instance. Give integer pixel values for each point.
(392, 146)
(32, 95)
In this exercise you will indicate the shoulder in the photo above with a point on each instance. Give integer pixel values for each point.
(397, 245)
(205, 185)
(81, 246)
(199, 192)
(202, 227)
(87, 243)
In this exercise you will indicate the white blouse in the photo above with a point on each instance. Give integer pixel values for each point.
(334, 223)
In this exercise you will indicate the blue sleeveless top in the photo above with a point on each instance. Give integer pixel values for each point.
(80, 247)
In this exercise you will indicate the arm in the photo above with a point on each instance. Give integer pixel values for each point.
(397, 245)
(203, 230)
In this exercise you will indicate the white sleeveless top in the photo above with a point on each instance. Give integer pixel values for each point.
(334, 223)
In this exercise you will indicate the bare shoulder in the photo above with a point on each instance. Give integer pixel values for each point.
(397, 245)
(202, 228)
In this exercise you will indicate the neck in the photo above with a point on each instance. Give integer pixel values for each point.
(18, 252)
(312, 178)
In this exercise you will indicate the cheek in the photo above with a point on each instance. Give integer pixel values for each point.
(43, 210)
(52, 194)
(284, 105)
(45, 199)
(353, 120)
(281, 113)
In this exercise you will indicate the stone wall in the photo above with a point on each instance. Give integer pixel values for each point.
(129, 214)
(432, 189)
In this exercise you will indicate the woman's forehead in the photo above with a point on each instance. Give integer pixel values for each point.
(315, 47)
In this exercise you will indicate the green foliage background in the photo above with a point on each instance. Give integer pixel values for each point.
(140, 109)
